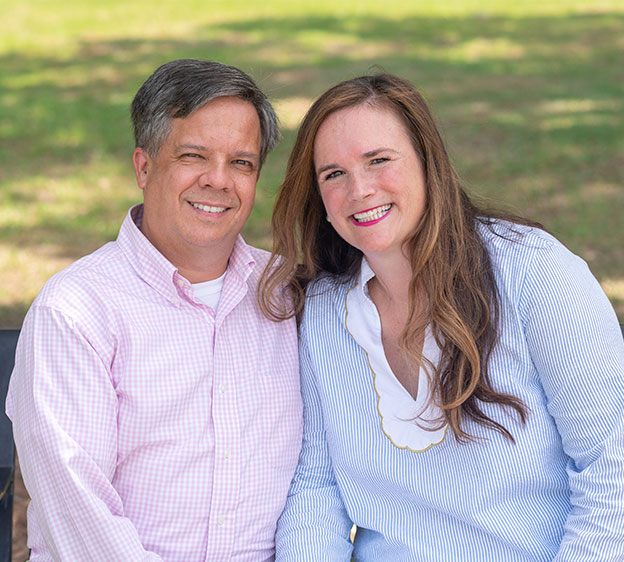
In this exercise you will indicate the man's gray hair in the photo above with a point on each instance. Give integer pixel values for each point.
(179, 87)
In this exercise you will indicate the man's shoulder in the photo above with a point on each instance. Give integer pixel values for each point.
(83, 279)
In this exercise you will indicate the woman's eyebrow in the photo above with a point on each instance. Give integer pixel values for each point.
(325, 168)
(377, 151)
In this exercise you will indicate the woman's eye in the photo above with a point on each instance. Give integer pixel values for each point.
(333, 174)
(379, 160)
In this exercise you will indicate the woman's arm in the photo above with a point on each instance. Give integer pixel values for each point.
(578, 351)
(314, 526)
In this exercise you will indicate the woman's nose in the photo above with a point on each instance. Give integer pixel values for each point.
(361, 187)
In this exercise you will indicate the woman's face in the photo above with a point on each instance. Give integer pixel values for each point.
(370, 178)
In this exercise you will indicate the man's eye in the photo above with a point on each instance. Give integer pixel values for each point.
(243, 163)
(191, 155)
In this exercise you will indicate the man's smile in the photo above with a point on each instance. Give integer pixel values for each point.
(208, 208)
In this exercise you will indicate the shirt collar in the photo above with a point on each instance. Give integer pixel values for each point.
(242, 261)
(158, 272)
(366, 274)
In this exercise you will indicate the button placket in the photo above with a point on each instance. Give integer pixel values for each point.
(226, 467)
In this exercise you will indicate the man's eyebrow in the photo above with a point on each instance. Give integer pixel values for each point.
(252, 155)
(197, 147)
(201, 148)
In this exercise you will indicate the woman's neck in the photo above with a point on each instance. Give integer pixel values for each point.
(393, 275)
(389, 291)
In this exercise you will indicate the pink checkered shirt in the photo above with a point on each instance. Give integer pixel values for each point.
(148, 428)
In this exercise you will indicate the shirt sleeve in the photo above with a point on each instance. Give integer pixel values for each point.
(314, 526)
(64, 410)
(578, 351)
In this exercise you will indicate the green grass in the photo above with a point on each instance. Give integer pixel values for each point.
(530, 98)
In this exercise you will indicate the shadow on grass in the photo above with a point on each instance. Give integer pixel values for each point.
(532, 109)
(12, 315)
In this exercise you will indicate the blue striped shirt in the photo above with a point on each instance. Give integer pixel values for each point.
(557, 493)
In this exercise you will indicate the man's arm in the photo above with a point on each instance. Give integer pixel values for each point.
(577, 348)
(64, 410)
(314, 526)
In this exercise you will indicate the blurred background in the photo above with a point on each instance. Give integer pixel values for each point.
(529, 96)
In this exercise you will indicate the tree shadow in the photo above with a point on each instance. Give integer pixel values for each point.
(534, 102)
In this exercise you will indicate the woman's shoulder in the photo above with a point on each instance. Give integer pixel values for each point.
(504, 236)
(524, 256)
(325, 299)
(327, 289)
(516, 246)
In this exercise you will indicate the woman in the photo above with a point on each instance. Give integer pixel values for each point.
(462, 371)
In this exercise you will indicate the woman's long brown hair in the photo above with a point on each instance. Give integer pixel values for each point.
(448, 256)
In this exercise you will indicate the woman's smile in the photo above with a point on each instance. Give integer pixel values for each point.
(371, 216)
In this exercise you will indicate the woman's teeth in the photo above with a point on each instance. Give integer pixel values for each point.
(372, 214)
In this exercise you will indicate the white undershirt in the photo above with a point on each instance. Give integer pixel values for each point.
(403, 419)
(209, 292)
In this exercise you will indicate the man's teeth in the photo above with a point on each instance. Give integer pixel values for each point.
(208, 208)
(373, 214)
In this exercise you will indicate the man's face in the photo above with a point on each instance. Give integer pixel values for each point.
(200, 187)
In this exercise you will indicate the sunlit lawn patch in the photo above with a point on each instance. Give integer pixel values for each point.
(530, 96)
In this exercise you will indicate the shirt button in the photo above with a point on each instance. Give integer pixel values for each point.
(227, 454)
(220, 520)
(222, 389)
(175, 300)
(180, 282)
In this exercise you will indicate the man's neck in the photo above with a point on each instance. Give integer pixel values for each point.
(201, 275)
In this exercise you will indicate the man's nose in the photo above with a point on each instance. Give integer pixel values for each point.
(216, 175)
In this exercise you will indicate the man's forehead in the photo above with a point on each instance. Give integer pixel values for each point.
(238, 117)
(231, 104)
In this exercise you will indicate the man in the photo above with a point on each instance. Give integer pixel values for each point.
(156, 411)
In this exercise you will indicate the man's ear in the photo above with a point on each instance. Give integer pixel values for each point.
(141, 161)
